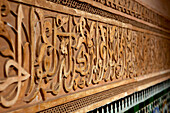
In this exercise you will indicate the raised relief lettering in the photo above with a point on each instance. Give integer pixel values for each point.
(47, 52)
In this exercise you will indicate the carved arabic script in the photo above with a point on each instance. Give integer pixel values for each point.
(56, 51)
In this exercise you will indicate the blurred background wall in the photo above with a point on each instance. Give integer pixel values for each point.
(162, 6)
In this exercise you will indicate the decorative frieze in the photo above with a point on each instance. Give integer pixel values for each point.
(130, 7)
(134, 8)
(45, 54)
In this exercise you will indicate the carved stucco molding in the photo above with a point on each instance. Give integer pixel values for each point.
(128, 7)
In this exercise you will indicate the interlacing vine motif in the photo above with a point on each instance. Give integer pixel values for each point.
(46, 52)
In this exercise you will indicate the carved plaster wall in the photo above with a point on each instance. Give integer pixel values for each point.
(53, 52)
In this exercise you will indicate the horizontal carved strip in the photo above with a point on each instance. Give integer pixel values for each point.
(74, 96)
(94, 101)
(95, 8)
(136, 9)
(113, 15)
